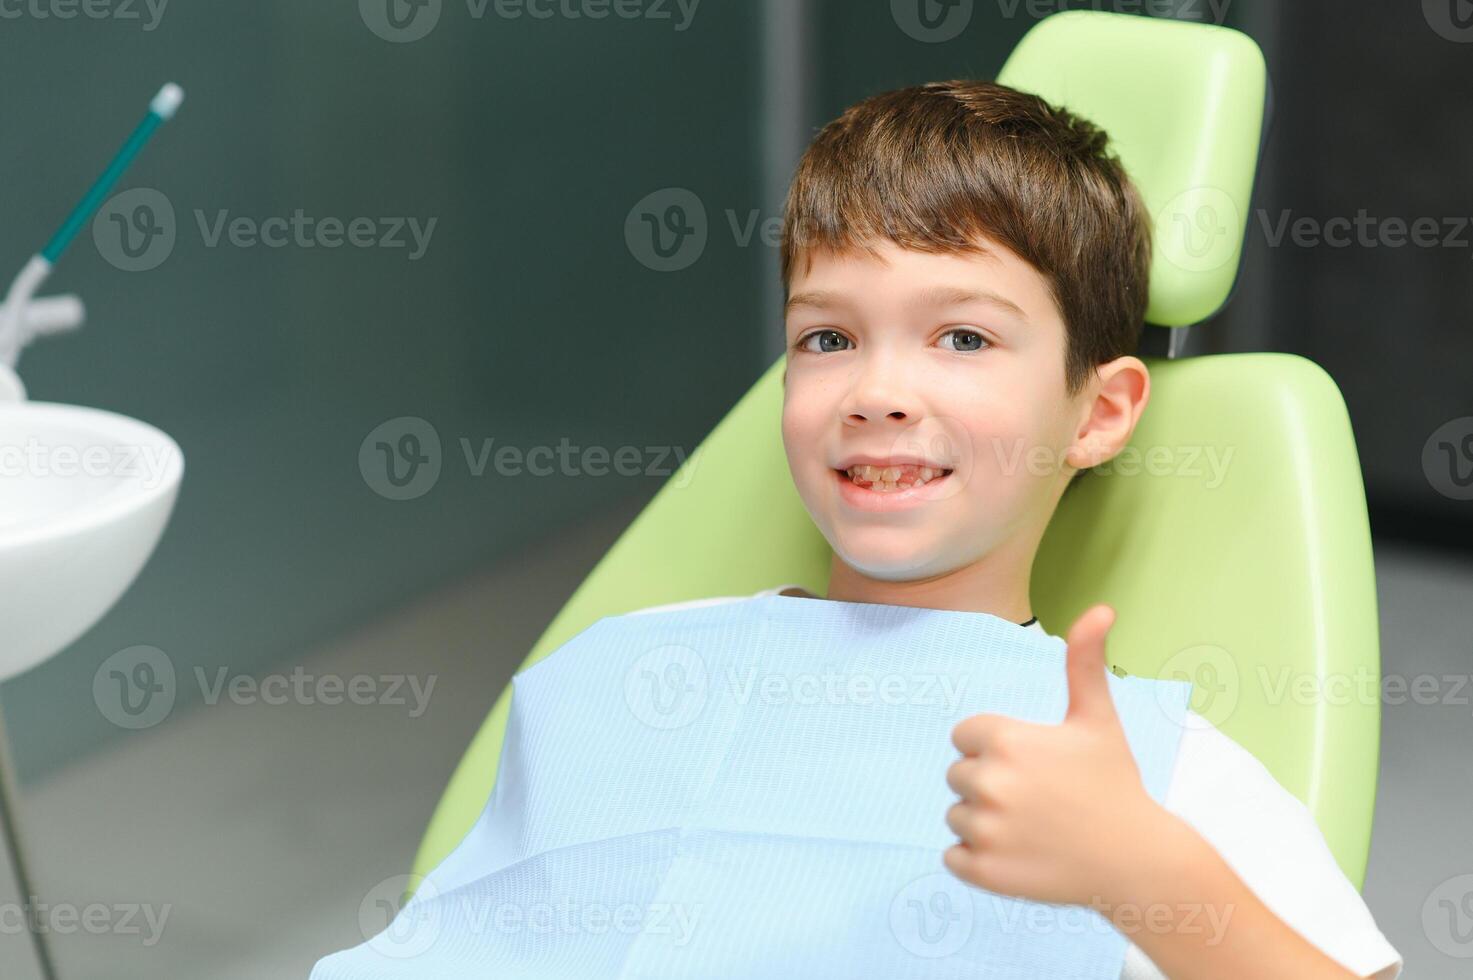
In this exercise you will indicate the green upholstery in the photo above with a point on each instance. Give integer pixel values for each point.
(1253, 579)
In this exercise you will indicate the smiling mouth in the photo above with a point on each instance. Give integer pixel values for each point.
(892, 479)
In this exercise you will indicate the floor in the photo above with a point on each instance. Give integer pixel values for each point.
(240, 841)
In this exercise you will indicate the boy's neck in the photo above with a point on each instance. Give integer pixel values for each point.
(987, 586)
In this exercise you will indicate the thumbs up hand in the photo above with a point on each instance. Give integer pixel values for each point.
(1053, 813)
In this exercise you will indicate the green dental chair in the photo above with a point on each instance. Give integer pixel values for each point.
(1251, 575)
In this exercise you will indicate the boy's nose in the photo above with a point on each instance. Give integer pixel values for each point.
(879, 391)
(860, 416)
(878, 399)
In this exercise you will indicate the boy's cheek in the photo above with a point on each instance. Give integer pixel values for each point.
(999, 484)
(795, 437)
(1006, 440)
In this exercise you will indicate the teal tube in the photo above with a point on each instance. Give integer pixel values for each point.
(94, 197)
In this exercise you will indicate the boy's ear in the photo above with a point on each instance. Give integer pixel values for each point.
(1123, 390)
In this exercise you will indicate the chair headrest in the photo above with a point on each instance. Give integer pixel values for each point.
(1183, 105)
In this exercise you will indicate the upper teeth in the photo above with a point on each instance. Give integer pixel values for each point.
(887, 477)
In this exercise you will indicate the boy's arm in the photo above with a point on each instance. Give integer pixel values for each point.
(1057, 813)
(1196, 919)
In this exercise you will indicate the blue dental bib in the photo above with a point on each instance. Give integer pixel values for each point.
(755, 789)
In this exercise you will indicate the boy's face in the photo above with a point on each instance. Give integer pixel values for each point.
(955, 361)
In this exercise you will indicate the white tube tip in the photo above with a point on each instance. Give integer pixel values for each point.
(166, 103)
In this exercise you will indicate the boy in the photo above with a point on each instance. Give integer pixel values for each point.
(966, 271)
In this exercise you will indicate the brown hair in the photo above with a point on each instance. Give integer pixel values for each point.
(931, 166)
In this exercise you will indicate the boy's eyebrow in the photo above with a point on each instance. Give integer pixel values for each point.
(819, 299)
(958, 296)
(932, 296)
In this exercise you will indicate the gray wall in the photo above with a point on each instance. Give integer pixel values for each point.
(527, 319)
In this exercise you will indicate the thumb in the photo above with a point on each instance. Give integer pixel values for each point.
(1084, 666)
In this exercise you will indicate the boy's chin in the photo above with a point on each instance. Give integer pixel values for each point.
(891, 561)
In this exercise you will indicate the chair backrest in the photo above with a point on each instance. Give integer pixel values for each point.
(1236, 552)
(1183, 104)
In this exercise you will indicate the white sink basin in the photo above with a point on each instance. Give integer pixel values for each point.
(84, 497)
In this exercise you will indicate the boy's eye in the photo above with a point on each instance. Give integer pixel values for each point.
(967, 340)
(826, 338)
